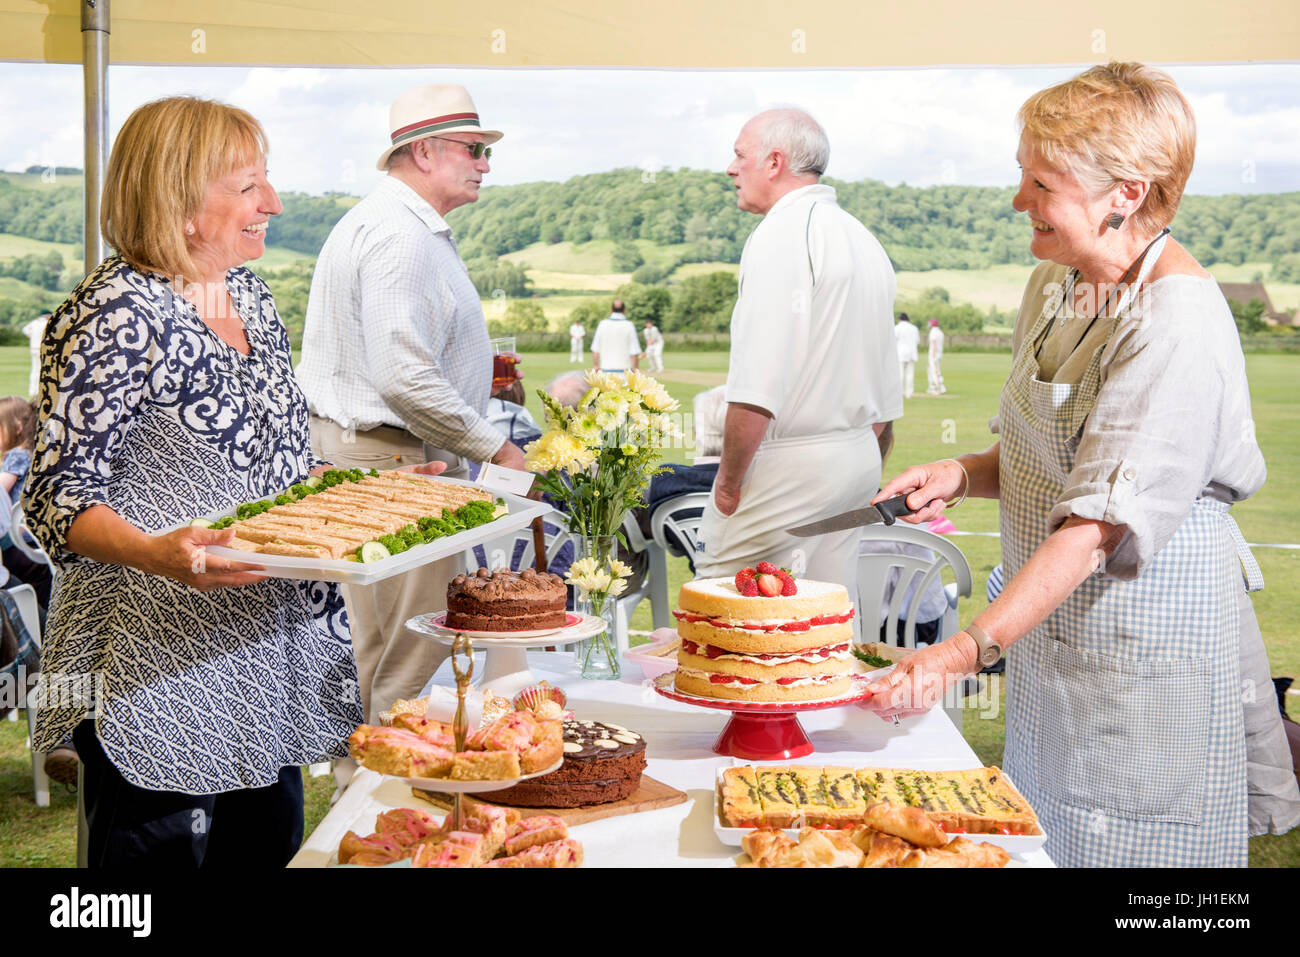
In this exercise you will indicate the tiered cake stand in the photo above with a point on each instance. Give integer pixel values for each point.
(461, 645)
(763, 731)
(506, 671)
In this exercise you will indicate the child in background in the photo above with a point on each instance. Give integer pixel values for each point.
(17, 438)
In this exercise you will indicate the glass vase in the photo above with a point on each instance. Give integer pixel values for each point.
(597, 656)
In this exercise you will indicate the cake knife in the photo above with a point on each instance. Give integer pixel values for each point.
(888, 511)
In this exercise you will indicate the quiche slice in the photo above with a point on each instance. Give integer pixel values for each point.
(742, 805)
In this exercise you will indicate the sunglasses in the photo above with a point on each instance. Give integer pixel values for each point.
(476, 150)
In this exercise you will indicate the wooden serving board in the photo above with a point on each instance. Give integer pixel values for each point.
(650, 795)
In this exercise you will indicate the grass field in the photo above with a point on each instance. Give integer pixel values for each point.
(587, 266)
(12, 246)
(555, 308)
(932, 428)
(591, 258)
(277, 257)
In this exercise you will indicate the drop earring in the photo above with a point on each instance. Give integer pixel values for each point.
(1114, 220)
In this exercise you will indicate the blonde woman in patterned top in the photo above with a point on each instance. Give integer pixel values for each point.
(195, 688)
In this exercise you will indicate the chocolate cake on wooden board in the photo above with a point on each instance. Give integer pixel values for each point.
(602, 764)
(503, 600)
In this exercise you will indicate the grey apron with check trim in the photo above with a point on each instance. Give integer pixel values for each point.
(1124, 717)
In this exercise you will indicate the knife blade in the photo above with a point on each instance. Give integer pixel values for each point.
(887, 512)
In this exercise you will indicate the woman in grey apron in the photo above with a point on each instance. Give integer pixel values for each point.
(1124, 436)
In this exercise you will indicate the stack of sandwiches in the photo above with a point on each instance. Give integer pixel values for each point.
(334, 523)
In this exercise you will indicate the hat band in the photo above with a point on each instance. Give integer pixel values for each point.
(431, 126)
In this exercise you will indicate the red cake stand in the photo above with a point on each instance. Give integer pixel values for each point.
(764, 731)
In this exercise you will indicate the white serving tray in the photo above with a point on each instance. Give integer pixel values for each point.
(521, 512)
(1011, 843)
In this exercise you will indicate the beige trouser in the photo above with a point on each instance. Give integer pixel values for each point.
(792, 482)
(392, 663)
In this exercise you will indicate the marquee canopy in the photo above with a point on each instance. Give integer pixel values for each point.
(791, 34)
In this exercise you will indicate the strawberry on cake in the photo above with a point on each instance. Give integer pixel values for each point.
(762, 636)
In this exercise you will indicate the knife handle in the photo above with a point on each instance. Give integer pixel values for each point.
(892, 509)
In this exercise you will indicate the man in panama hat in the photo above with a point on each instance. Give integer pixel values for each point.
(396, 365)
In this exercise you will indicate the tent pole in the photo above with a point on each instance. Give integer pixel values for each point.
(94, 71)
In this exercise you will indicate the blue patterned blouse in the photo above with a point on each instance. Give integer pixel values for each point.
(146, 410)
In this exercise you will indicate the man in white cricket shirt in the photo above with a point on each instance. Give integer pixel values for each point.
(934, 376)
(813, 371)
(576, 335)
(615, 347)
(907, 339)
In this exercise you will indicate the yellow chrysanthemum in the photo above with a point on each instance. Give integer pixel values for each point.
(586, 429)
(557, 450)
(657, 399)
(581, 568)
(640, 383)
(603, 381)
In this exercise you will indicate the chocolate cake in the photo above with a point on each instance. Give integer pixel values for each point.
(502, 600)
(602, 764)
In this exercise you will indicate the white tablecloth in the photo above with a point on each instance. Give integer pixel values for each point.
(679, 740)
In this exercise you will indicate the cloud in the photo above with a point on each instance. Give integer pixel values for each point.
(921, 127)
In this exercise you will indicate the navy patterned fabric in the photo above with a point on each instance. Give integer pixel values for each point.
(146, 410)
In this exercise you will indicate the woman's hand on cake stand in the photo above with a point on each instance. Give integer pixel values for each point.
(921, 679)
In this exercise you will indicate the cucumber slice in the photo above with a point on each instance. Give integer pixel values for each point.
(312, 481)
(201, 523)
(374, 552)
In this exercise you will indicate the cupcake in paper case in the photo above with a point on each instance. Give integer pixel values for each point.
(495, 706)
(543, 700)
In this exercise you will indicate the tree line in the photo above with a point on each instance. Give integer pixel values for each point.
(935, 227)
(692, 216)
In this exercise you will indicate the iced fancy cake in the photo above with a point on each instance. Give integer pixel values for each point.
(763, 636)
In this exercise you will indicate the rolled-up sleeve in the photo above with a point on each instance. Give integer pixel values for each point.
(1146, 450)
(410, 313)
(95, 365)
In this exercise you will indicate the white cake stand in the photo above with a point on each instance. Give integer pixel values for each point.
(506, 671)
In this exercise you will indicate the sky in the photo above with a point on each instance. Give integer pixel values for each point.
(919, 126)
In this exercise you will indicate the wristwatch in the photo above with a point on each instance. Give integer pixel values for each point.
(988, 650)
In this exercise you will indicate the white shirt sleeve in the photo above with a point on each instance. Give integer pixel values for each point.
(771, 308)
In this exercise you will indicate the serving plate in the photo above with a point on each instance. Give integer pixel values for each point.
(436, 626)
(520, 513)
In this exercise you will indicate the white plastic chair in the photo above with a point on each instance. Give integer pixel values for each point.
(24, 597)
(18, 532)
(874, 570)
(499, 552)
(679, 516)
(654, 584)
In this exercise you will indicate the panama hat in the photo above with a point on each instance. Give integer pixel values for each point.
(431, 111)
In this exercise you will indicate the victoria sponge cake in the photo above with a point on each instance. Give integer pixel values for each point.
(745, 645)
